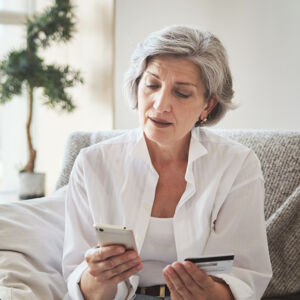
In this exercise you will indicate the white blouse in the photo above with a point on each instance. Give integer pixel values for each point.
(220, 211)
(158, 251)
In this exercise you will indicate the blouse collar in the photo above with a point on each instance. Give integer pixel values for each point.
(196, 149)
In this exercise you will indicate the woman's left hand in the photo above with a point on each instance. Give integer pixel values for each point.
(186, 281)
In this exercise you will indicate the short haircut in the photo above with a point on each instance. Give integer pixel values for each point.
(202, 48)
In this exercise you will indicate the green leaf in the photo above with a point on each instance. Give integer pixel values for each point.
(25, 67)
(57, 23)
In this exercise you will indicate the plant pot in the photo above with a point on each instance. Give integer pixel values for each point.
(31, 185)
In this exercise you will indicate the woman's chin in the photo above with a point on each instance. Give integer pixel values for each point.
(158, 136)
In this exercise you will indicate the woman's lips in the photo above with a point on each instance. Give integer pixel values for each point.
(161, 123)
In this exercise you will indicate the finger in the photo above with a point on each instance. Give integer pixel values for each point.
(120, 269)
(174, 294)
(187, 279)
(115, 265)
(125, 275)
(101, 253)
(199, 276)
(176, 281)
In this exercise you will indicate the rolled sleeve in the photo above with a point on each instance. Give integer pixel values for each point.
(74, 291)
(239, 289)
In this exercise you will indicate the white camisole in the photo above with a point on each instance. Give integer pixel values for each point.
(158, 251)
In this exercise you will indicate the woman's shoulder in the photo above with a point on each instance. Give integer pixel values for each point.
(216, 140)
(121, 139)
(216, 137)
(223, 148)
(112, 145)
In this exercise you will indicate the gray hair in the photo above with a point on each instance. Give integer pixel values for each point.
(201, 47)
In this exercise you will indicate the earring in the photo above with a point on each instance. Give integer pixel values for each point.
(202, 122)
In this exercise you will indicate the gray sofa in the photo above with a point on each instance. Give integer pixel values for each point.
(31, 232)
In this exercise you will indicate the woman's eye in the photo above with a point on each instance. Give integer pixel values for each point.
(182, 95)
(152, 86)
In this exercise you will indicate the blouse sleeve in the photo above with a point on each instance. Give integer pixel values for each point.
(239, 227)
(79, 235)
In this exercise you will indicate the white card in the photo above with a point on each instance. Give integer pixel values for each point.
(212, 265)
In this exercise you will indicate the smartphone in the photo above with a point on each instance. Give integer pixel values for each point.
(215, 264)
(115, 235)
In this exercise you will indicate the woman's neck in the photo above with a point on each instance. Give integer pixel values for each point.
(162, 154)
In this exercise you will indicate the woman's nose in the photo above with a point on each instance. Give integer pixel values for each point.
(162, 101)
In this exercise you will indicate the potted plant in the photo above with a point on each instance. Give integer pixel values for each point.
(24, 69)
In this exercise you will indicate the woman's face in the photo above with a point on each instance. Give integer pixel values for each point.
(171, 99)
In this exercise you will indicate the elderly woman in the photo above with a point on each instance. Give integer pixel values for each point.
(185, 191)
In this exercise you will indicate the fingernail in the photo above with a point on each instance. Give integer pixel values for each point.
(120, 250)
(166, 267)
(188, 264)
(132, 255)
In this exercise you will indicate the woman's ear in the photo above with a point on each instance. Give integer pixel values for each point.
(212, 102)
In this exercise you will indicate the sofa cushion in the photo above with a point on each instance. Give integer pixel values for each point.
(31, 242)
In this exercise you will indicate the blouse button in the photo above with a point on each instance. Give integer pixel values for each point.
(146, 206)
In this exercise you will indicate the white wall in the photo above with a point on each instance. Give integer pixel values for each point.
(90, 51)
(263, 42)
(12, 119)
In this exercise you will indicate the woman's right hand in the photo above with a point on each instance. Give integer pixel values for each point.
(107, 266)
